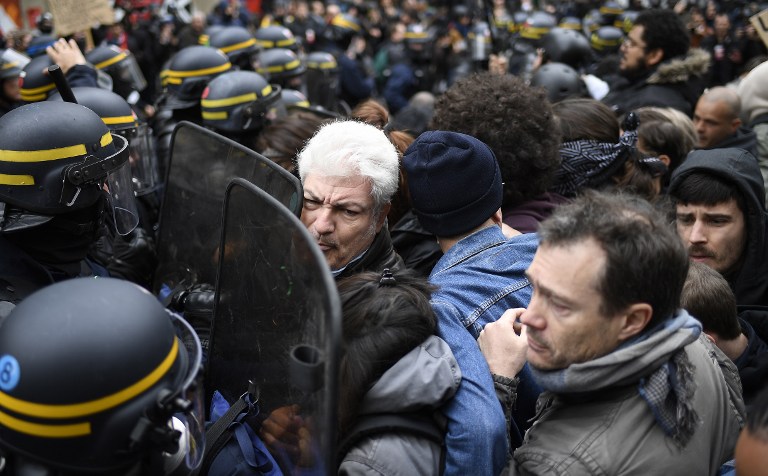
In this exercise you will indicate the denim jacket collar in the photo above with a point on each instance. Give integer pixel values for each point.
(469, 246)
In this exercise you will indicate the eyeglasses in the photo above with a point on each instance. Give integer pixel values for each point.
(630, 43)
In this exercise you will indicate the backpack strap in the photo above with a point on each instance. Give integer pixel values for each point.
(417, 423)
(217, 436)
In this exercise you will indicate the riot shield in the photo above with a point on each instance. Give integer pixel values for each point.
(202, 163)
(277, 324)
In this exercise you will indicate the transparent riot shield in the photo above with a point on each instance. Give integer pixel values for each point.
(202, 163)
(277, 323)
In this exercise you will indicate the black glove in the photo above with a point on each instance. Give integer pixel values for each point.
(196, 304)
(134, 258)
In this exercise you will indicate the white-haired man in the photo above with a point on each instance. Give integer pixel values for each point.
(350, 171)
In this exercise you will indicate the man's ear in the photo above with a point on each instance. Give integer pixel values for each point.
(496, 217)
(665, 158)
(654, 57)
(636, 317)
(383, 216)
(735, 124)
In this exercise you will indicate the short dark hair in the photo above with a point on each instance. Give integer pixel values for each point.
(515, 120)
(707, 189)
(664, 29)
(645, 258)
(708, 297)
(660, 136)
(380, 324)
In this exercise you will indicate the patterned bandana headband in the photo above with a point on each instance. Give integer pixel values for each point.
(589, 163)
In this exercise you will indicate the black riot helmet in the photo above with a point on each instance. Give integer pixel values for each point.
(570, 23)
(120, 65)
(606, 40)
(560, 81)
(238, 44)
(44, 23)
(56, 157)
(536, 26)
(592, 21)
(36, 85)
(99, 378)
(342, 28)
(238, 101)
(322, 79)
(419, 42)
(610, 11)
(291, 98)
(567, 46)
(119, 117)
(276, 36)
(11, 64)
(189, 72)
(626, 20)
(281, 66)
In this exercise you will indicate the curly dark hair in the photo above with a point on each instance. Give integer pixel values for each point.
(515, 120)
(664, 29)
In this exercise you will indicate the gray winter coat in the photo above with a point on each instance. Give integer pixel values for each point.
(424, 379)
(612, 431)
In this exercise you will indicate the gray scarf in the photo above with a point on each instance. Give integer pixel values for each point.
(655, 361)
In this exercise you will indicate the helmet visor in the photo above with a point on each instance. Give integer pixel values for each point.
(192, 417)
(143, 161)
(128, 70)
(120, 188)
(12, 56)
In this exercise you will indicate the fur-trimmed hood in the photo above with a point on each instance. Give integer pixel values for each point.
(681, 69)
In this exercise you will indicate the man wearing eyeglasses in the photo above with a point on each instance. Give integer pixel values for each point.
(657, 66)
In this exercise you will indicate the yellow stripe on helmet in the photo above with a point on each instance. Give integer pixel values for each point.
(197, 72)
(339, 20)
(10, 64)
(41, 89)
(48, 431)
(6, 179)
(111, 121)
(286, 42)
(111, 61)
(212, 103)
(94, 406)
(238, 46)
(215, 116)
(322, 65)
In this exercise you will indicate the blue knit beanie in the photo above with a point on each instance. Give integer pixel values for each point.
(454, 181)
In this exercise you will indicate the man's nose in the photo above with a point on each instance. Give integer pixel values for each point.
(533, 316)
(698, 233)
(324, 222)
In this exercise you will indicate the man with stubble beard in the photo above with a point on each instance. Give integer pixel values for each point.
(720, 199)
(657, 66)
(349, 171)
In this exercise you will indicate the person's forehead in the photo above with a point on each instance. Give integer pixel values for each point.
(715, 109)
(568, 269)
(354, 188)
(636, 33)
(729, 207)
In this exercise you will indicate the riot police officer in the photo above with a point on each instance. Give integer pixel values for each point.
(239, 46)
(57, 161)
(98, 378)
(239, 104)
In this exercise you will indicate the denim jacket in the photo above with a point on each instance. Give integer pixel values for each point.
(478, 279)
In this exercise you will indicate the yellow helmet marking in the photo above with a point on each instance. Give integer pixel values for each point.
(41, 410)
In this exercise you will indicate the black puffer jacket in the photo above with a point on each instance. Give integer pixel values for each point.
(380, 255)
(675, 83)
